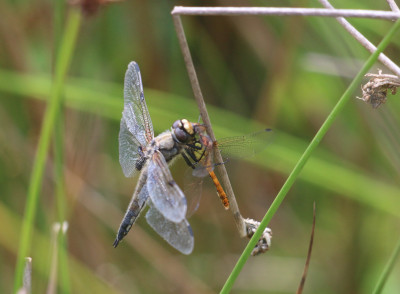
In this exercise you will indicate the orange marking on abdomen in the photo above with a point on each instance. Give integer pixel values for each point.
(220, 190)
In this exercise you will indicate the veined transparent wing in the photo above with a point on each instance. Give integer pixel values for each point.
(136, 129)
(244, 146)
(136, 114)
(234, 147)
(178, 235)
(128, 150)
(165, 194)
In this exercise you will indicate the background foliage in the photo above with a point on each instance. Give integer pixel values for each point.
(282, 72)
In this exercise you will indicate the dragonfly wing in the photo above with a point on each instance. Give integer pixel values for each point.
(136, 114)
(200, 171)
(165, 194)
(243, 146)
(128, 150)
(193, 187)
(178, 235)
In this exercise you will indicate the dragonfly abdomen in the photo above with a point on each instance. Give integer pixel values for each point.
(129, 219)
(220, 191)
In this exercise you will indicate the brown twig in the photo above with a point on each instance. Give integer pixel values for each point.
(239, 220)
(303, 278)
(283, 11)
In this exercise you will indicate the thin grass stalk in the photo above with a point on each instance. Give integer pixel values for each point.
(234, 208)
(27, 281)
(52, 283)
(304, 158)
(362, 40)
(285, 11)
(393, 5)
(61, 203)
(62, 64)
(64, 262)
(388, 269)
(58, 20)
(307, 265)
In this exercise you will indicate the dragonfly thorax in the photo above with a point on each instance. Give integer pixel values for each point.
(166, 144)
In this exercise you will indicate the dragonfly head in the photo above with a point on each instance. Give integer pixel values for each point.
(183, 131)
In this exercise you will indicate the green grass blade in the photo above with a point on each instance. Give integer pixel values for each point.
(104, 99)
(61, 203)
(62, 64)
(388, 269)
(306, 155)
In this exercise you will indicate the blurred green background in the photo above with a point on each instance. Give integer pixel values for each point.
(282, 72)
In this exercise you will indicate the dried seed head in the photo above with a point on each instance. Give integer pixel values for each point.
(375, 90)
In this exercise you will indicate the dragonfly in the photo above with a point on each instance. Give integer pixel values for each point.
(140, 151)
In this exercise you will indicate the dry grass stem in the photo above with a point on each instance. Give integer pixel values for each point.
(239, 220)
(393, 5)
(363, 41)
(306, 266)
(51, 287)
(285, 11)
(27, 280)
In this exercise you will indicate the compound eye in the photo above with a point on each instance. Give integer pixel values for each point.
(187, 125)
(177, 124)
(181, 135)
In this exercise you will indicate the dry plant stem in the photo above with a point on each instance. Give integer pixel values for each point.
(363, 41)
(282, 11)
(306, 266)
(206, 119)
(393, 5)
(51, 286)
(27, 282)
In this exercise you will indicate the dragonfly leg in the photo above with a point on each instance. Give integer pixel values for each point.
(142, 159)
